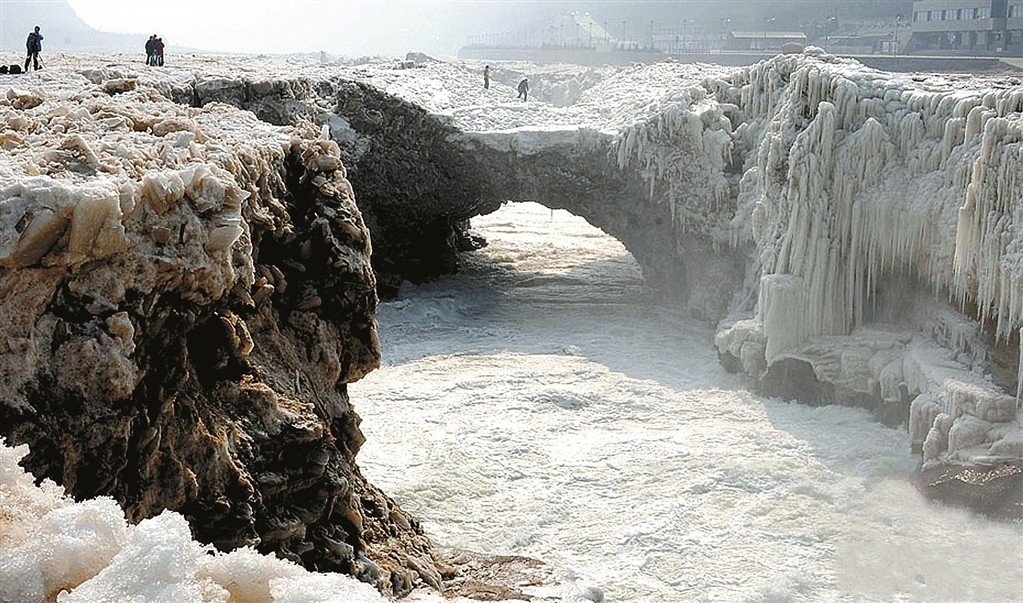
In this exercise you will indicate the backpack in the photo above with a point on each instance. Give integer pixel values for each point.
(3, 69)
(14, 69)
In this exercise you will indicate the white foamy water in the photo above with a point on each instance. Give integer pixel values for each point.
(542, 403)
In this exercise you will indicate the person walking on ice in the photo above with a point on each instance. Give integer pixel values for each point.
(486, 77)
(34, 45)
(523, 89)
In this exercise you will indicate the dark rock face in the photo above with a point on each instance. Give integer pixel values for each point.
(182, 338)
(417, 188)
(995, 491)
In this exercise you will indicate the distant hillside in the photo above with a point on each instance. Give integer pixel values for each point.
(62, 29)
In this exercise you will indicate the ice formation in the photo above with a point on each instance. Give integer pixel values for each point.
(53, 549)
(857, 176)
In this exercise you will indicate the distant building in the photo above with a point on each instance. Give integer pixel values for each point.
(574, 38)
(968, 27)
(763, 41)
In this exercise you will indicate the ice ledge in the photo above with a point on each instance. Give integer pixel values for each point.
(531, 141)
(956, 417)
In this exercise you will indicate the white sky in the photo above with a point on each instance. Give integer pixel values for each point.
(347, 27)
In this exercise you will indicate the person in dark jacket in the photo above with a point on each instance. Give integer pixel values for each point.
(151, 50)
(158, 45)
(523, 89)
(34, 45)
(486, 77)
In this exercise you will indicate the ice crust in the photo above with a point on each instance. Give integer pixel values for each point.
(111, 173)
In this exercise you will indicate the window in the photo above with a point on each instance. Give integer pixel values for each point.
(1016, 10)
(950, 15)
(919, 16)
(984, 12)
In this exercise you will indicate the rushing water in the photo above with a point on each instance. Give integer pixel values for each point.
(542, 403)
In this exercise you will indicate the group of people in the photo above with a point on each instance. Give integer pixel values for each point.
(523, 85)
(34, 46)
(154, 51)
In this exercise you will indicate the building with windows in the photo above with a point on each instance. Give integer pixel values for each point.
(763, 41)
(967, 27)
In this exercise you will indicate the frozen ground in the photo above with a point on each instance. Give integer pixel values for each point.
(539, 403)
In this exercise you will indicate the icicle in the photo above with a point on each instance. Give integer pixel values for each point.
(828, 200)
(1019, 374)
(780, 306)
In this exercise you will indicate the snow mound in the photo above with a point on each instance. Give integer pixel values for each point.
(52, 548)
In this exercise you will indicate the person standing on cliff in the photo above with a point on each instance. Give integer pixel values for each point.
(523, 89)
(34, 45)
(151, 50)
(486, 77)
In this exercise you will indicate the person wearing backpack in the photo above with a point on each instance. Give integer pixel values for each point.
(34, 45)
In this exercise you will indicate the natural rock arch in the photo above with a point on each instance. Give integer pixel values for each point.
(419, 180)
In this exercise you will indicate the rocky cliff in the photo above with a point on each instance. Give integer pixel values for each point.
(416, 187)
(186, 293)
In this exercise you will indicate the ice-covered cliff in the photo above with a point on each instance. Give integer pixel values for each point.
(185, 294)
(885, 215)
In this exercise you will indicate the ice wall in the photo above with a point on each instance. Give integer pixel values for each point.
(856, 178)
(883, 217)
(857, 174)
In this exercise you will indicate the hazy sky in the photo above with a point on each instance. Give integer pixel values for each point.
(392, 27)
(337, 26)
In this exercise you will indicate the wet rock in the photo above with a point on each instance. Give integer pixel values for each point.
(994, 490)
